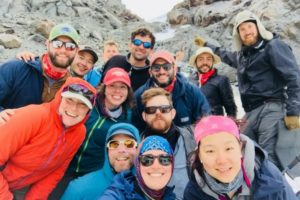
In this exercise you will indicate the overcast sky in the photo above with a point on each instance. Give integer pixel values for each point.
(150, 9)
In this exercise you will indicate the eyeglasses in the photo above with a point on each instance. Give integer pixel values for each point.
(162, 109)
(81, 89)
(148, 159)
(166, 67)
(114, 144)
(57, 44)
(138, 42)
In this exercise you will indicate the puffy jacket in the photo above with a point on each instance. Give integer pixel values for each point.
(123, 188)
(21, 83)
(267, 181)
(90, 156)
(92, 185)
(36, 148)
(264, 70)
(189, 102)
(219, 94)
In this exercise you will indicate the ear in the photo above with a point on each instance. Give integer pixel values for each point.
(173, 113)
(175, 68)
(144, 116)
(47, 43)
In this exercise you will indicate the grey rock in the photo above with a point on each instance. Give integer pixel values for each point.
(10, 41)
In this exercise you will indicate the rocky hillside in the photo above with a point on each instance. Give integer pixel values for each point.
(25, 24)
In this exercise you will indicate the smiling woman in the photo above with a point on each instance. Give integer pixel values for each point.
(158, 7)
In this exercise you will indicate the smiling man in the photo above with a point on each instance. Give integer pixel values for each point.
(189, 102)
(34, 158)
(121, 142)
(41, 77)
(159, 114)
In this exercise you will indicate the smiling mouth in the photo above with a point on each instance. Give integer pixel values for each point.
(155, 174)
(70, 114)
(122, 158)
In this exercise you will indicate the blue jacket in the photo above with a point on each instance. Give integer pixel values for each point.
(21, 83)
(93, 77)
(188, 100)
(92, 185)
(90, 156)
(267, 181)
(123, 188)
(263, 71)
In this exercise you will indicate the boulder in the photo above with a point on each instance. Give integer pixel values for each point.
(10, 41)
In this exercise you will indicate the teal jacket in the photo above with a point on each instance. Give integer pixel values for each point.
(90, 156)
(92, 185)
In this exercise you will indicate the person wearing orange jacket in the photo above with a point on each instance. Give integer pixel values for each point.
(39, 141)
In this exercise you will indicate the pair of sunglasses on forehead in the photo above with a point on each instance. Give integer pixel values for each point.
(145, 160)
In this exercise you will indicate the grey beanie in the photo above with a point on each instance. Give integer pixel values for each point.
(243, 16)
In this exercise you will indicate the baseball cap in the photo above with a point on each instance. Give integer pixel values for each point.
(116, 74)
(162, 54)
(215, 124)
(64, 30)
(90, 50)
(80, 92)
(123, 128)
(202, 50)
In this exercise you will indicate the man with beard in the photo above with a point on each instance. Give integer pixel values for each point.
(37, 81)
(136, 62)
(158, 114)
(189, 102)
(215, 87)
(269, 80)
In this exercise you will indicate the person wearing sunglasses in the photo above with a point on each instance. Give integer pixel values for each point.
(154, 167)
(41, 77)
(39, 141)
(113, 105)
(215, 87)
(228, 165)
(189, 102)
(158, 115)
(136, 63)
(121, 148)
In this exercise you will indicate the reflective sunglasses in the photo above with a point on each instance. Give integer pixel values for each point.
(162, 109)
(114, 144)
(138, 42)
(82, 90)
(166, 67)
(148, 159)
(57, 44)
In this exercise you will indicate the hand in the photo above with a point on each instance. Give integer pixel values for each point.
(25, 56)
(199, 41)
(5, 115)
(292, 122)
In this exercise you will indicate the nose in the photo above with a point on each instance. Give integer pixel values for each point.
(221, 158)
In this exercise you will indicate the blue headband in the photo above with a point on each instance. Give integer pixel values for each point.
(156, 143)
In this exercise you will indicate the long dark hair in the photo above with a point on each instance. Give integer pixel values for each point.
(194, 163)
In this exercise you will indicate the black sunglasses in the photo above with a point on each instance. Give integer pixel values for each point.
(148, 159)
(81, 89)
(57, 44)
(166, 67)
(138, 42)
(114, 144)
(162, 109)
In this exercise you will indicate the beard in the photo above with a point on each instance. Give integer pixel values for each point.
(60, 64)
(202, 72)
(160, 126)
(165, 84)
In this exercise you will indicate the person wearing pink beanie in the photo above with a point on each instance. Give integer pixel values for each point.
(228, 165)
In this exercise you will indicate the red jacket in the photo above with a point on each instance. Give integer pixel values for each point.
(36, 148)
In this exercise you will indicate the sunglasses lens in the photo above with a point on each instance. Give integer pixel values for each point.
(130, 144)
(146, 160)
(165, 160)
(165, 109)
(77, 88)
(150, 109)
(147, 45)
(137, 42)
(70, 46)
(113, 144)
(57, 44)
(166, 67)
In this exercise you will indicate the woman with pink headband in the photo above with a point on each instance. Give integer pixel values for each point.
(227, 165)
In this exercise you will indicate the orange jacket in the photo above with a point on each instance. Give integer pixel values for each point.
(35, 148)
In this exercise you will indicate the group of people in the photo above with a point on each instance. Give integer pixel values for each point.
(137, 128)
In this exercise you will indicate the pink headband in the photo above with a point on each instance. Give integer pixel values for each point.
(214, 124)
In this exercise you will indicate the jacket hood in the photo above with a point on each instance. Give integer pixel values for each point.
(57, 99)
(119, 128)
(243, 16)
